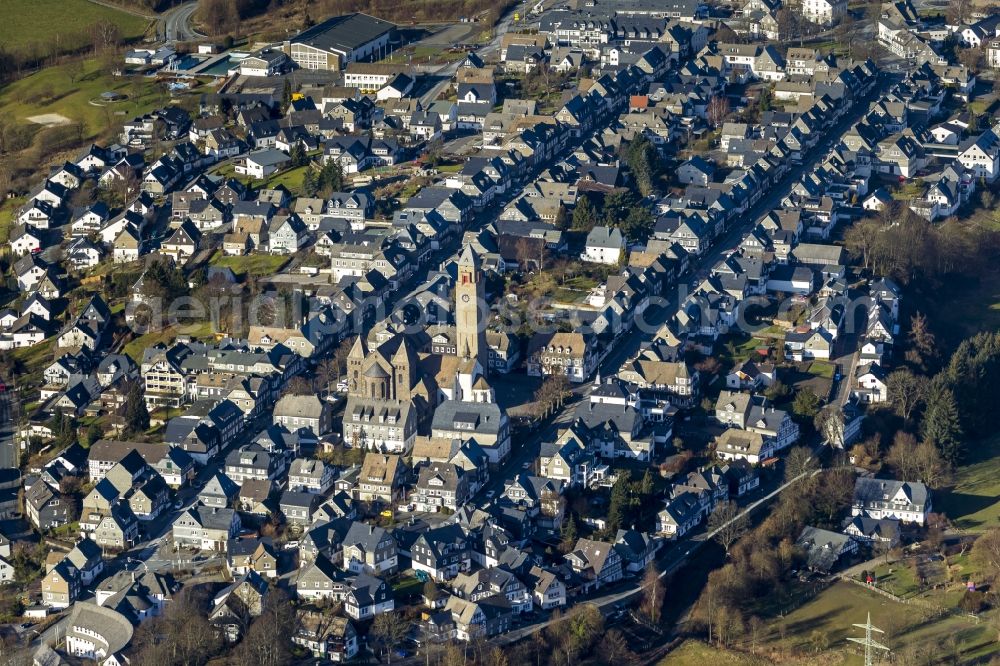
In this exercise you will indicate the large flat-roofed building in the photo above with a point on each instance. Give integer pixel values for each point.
(339, 40)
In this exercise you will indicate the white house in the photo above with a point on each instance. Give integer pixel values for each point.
(908, 501)
(604, 246)
(261, 163)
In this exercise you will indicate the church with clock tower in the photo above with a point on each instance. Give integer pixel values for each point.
(398, 389)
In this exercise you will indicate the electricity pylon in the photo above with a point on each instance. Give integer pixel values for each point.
(869, 643)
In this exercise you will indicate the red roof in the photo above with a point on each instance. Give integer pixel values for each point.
(638, 101)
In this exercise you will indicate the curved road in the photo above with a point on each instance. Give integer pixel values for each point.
(177, 23)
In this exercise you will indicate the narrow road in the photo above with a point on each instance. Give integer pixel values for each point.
(122, 8)
(445, 73)
(8, 447)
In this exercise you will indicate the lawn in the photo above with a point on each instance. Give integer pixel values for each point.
(697, 653)
(291, 179)
(63, 22)
(897, 578)
(254, 264)
(737, 349)
(821, 369)
(407, 586)
(198, 330)
(828, 619)
(973, 503)
(35, 360)
(50, 90)
(7, 210)
(574, 290)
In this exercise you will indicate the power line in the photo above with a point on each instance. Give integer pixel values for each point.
(869, 643)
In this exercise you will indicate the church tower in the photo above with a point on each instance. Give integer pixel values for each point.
(470, 329)
(355, 365)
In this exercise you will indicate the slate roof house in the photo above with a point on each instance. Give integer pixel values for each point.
(907, 501)
(597, 563)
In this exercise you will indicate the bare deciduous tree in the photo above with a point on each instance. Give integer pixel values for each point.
(731, 525)
(718, 109)
(389, 630)
(653, 593)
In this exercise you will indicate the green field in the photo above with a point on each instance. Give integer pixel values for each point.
(697, 653)
(7, 210)
(974, 501)
(198, 330)
(817, 632)
(50, 91)
(61, 24)
(254, 264)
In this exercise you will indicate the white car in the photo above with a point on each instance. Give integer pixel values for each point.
(291, 545)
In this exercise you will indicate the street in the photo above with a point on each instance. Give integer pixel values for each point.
(8, 447)
(177, 23)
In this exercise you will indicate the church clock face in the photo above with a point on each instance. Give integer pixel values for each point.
(465, 298)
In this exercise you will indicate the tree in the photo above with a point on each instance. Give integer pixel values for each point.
(525, 252)
(922, 341)
(584, 215)
(584, 624)
(218, 16)
(806, 405)
(905, 392)
(136, 416)
(941, 425)
(718, 109)
(105, 36)
(180, 636)
(653, 593)
(389, 630)
(498, 657)
(638, 224)
(903, 455)
(728, 523)
(431, 591)
(552, 393)
(298, 156)
(932, 467)
(620, 504)
(617, 205)
(829, 424)
(74, 69)
(862, 239)
(787, 23)
(986, 554)
(327, 372)
(340, 356)
(268, 641)
(640, 156)
(286, 97)
(562, 218)
(799, 461)
(568, 534)
(614, 649)
(959, 12)
(94, 433)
